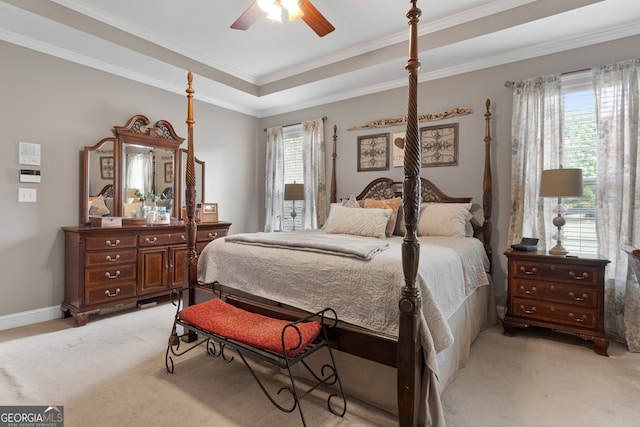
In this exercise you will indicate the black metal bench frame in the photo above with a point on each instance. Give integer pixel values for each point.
(216, 344)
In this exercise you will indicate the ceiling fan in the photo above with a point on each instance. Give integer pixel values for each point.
(295, 9)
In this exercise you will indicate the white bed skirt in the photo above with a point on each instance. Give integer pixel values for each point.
(375, 383)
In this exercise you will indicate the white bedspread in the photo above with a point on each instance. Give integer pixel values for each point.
(363, 292)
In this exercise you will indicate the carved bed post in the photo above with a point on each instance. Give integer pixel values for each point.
(409, 346)
(486, 186)
(191, 258)
(334, 198)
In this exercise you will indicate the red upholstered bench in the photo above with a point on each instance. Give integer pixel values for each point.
(280, 342)
(252, 329)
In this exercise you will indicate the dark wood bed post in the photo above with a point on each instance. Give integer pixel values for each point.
(191, 259)
(487, 198)
(334, 197)
(410, 361)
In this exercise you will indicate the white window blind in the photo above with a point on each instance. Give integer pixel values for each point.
(579, 145)
(293, 172)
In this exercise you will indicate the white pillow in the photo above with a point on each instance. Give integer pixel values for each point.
(444, 219)
(97, 207)
(359, 222)
(352, 202)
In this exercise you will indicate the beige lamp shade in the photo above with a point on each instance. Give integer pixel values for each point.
(294, 191)
(561, 183)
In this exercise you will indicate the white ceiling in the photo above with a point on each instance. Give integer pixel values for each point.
(274, 68)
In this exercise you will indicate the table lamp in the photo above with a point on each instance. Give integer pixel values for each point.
(560, 183)
(294, 192)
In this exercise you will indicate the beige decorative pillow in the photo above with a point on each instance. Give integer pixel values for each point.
(393, 204)
(358, 222)
(98, 207)
(444, 219)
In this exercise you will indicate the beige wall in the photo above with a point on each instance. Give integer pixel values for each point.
(65, 106)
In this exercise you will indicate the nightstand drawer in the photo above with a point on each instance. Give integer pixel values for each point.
(584, 296)
(556, 313)
(585, 275)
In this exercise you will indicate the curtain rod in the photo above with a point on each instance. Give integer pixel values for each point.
(512, 84)
(324, 119)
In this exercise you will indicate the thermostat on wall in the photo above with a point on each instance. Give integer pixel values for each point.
(29, 175)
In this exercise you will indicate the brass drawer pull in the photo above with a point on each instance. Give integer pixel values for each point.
(533, 309)
(584, 275)
(183, 238)
(110, 295)
(527, 291)
(532, 271)
(113, 259)
(578, 319)
(213, 235)
(109, 276)
(116, 243)
(148, 240)
(582, 298)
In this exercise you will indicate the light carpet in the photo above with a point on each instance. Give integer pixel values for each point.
(112, 373)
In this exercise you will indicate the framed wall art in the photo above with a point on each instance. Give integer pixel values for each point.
(439, 145)
(106, 167)
(373, 152)
(209, 212)
(168, 172)
(398, 149)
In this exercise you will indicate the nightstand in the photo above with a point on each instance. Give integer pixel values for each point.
(557, 292)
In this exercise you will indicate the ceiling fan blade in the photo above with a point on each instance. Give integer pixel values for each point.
(315, 20)
(248, 17)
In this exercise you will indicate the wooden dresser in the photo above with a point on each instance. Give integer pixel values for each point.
(108, 268)
(557, 292)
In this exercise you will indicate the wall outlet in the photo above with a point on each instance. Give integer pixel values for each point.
(27, 194)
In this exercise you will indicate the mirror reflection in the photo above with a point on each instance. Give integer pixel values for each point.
(148, 178)
(101, 171)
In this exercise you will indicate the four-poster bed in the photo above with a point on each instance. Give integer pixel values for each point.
(404, 350)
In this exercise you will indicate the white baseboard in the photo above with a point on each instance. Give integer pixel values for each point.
(24, 318)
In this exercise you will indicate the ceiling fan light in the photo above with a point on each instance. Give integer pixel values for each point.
(265, 5)
(294, 13)
(290, 4)
(275, 14)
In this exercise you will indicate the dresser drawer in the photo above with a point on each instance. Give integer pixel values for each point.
(116, 273)
(111, 242)
(209, 235)
(115, 257)
(556, 313)
(558, 272)
(583, 296)
(161, 239)
(110, 293)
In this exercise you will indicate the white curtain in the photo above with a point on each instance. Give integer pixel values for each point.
(536, 145)
(274, 180)
(618, 193)
(315, 186)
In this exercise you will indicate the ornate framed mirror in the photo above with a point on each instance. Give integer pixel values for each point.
(139, 165)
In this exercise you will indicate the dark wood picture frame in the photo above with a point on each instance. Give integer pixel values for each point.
(107, 167)
(168, 172)
(373, 152)
(439, 145)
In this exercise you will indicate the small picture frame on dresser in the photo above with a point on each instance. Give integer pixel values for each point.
(209, 212)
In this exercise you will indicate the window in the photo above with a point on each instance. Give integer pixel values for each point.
(579, 141)
(293, 172)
